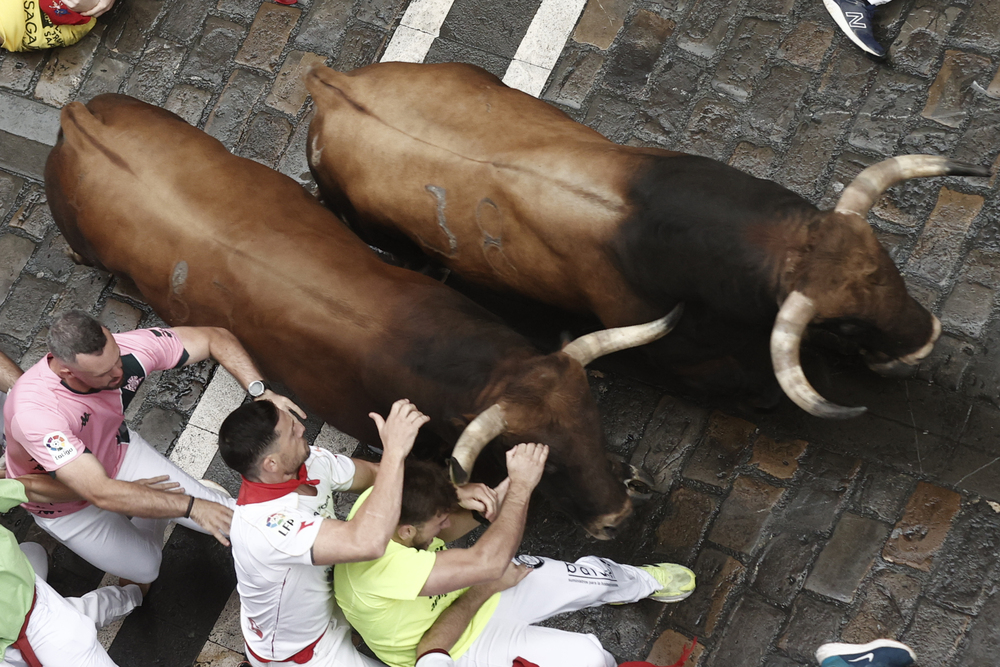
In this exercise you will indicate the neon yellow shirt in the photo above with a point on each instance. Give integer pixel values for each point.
(17, 579)
(25, 27)
(381, 599)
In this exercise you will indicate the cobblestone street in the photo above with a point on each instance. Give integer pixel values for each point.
(800, 530)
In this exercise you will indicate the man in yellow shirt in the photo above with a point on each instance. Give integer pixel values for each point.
(393, 600)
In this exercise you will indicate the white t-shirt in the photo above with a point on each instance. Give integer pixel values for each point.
(286, 602)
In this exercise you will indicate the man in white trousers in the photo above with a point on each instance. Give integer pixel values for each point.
(38, 627)
(65, 417)
(394, 600)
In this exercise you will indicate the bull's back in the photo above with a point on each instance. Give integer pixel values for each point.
(498, 185)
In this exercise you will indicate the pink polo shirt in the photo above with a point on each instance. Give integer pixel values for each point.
(47, 424)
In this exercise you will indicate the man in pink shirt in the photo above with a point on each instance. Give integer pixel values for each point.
(65, 417)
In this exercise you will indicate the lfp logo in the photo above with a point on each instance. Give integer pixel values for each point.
(60, 446)
(281, 522)
(275, 520)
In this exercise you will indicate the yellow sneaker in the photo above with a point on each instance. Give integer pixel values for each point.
(676, 580)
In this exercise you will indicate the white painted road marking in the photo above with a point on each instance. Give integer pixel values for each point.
(539, 50)
(420, 25)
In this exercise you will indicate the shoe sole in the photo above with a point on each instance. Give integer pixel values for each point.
(838, 16)
(672, 598)
(829, 650)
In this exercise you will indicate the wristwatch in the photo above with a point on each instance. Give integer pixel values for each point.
(256, 389)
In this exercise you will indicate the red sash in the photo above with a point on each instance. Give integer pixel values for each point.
(300, 658)
(22, 645)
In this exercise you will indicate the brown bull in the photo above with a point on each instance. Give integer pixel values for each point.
(513, 194)
(213, 239)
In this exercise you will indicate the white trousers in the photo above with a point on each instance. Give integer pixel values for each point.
(555, 587)
(335, 649)
(63, 631)
(129, 548)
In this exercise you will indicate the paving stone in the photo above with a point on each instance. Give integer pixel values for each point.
(982, 641)
(610, 116)
(812, 623)
(979, 27)
(780, 7)
(713, 122)
(323, 26)
(670, 646)
(932, 138)
(751, 628)
(726, 439)
(154, 75)
(680, 531)
(922, 36)
(815, 139)
(754, 160)
(636, 54)
(446, 51)
(982, 267)
(52, 261)
(673, 430)
(18, 69)
(361, 46)
(124, 286)
(600, 22)
(23, 309)
(161, 427)
(783, 565)
(935, 633)
(718, 575)
(940, 244)
(495, 28)
(772, 109)
(106, 76)
(672, 91)
(243, 8)
(265, 139)
(82, 289)
(882, 492)
(34, 217)
(806, 45)
(978, 142)
(624, 406)
(965, 564)
(924, 526)
(128, 31)
(28, 119)
(974, 471)
(706, 27)
(848, 73)
(65, 68)
(847, 557)
(574, 78)
(777, 458)
(39, 348)
(188, 102)
(745, 58)
(826, 480)
(380, 13)
(950, 98)
(744, 513)
(10, 188)
(887, 602)
(270, 31)
(967, 309)
(14, 254)
(216, 47)
(294, 162)
(289, 91)
(232, 112)
(889, 106)
(184, 19)
(118, 316)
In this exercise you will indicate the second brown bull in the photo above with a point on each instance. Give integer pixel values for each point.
(216, 240)
(513, 194)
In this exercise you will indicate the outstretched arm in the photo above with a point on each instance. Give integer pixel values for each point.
(366, 535)
(9, 372)
(220, 344)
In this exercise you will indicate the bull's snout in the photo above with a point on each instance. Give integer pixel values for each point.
(605, 526)
(903, 366)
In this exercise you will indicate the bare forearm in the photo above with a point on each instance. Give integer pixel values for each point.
(378, 516)
(9, 372)
(453, 621)
(140, 501)
(365, 473)
(227, 350)
(44, 489)
(500, 542)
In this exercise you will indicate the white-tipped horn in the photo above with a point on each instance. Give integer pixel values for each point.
(591, 346)
(794, 316)
(490, 423)
(868, 186)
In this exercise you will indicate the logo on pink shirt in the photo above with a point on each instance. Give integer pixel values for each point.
(60, 446)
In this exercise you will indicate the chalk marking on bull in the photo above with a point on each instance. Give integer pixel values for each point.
(440, 197)
(490, 241)
(316, 154)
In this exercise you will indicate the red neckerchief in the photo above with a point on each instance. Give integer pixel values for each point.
(258, 492)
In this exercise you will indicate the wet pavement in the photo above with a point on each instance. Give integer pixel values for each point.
(801, 530)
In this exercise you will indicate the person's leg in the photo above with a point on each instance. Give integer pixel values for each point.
(37, 557)
(505, 639)
(61, 635)
(555, 587)
(143, 462)
(108, 603)
(108, 541)
(335, 649)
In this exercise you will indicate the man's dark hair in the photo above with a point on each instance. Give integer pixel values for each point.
(246, 435)
(427, 492)
(75, 332)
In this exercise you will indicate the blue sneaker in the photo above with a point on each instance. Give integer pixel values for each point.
(855, 18)
(879, 653)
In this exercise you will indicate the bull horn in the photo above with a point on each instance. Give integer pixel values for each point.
(795, 315)
(490, 423)
(868, 186)
(593, 345)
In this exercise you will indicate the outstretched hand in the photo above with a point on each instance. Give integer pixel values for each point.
(479, 498)
(89, 7)
(399, 430)
(161, 483)
(282, 403)
(526, 463)
(213, 517)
